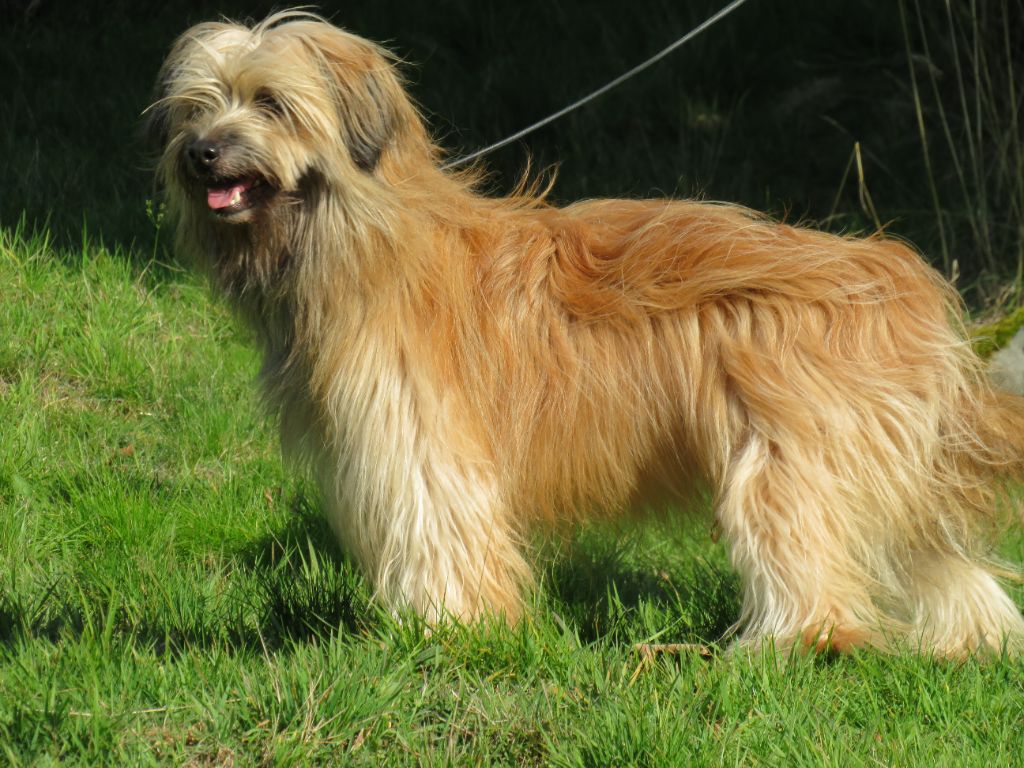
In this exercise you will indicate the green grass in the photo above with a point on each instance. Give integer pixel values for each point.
(170, 595)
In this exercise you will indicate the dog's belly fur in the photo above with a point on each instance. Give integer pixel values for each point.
(458, 369)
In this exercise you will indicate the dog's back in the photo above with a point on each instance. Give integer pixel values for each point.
(457, 366)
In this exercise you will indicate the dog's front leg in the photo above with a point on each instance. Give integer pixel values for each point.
(425, 520)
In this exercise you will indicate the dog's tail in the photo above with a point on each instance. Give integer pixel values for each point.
(984, 458)
(999, 432)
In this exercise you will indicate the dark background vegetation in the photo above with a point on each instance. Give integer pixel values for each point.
(764, 109)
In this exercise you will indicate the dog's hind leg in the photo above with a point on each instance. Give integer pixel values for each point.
(789, 538)
(959, 607)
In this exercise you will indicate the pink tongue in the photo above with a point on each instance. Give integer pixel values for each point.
(223, 197)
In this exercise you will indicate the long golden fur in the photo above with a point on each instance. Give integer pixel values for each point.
(457, 368)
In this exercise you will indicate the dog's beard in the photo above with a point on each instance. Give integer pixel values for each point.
(233, 196)
(250, 251)
(232, 199)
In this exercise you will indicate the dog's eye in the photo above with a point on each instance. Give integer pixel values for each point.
(268, 102)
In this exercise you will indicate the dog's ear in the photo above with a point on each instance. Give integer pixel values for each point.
(366, 90)
(368, 136)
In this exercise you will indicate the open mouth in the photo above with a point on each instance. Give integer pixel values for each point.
(235, 196)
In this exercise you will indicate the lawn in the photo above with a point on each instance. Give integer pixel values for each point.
(169, 592)
(170, 595)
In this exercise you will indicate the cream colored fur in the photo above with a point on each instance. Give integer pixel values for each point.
(460, 369)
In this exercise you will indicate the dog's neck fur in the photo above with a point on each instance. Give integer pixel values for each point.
(352, 245)
(274, 273)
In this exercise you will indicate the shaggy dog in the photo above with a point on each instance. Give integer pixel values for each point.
(457, 368)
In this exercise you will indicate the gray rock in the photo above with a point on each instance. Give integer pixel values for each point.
(1006, 367)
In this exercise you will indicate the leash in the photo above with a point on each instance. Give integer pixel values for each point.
(706, 24)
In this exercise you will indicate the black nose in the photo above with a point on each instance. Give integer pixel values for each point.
(204, 154)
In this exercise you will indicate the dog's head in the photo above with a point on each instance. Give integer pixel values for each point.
(249, 118)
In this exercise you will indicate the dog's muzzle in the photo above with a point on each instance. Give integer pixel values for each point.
(228, 192)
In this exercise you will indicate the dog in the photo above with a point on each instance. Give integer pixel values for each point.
(457, 370)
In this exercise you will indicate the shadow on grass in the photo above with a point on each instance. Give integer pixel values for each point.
(305, 586)
(296, 586)
(609, 590)
(291, 586)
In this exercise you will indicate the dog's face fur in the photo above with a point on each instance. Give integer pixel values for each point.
(285, 132)
(251, 120)
(456, 367)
